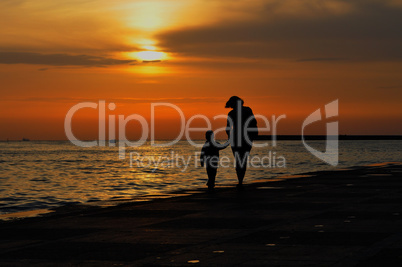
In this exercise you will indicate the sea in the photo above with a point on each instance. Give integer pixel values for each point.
(44, 175)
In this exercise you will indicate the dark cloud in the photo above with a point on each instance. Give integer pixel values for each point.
(369, 31)
(58, 59)
(389, 87)
(151, 61)
(321, 59)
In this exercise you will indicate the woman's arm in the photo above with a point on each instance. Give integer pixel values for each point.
(229, 125)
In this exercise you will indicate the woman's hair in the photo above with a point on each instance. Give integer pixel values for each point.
(232, 102)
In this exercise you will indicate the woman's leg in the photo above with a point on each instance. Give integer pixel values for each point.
(241, 157)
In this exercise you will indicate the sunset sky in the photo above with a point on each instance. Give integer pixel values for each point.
(281, 56)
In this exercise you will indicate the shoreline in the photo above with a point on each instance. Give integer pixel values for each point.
(345, 217)
(38, 213)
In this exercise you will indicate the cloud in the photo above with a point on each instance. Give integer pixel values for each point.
(70, 26)
(366, 30)
(152, 61)
(58, 59)
(321, 59)
(389, 87)
(11, 3)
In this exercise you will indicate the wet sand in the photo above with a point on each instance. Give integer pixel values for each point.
(349, 217)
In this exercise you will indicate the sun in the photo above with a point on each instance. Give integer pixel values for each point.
(151, 55)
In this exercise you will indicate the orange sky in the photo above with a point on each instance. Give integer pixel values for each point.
(282, 57)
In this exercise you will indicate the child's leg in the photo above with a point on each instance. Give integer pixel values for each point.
(211, 171)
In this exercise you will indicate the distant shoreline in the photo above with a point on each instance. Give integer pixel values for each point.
(324, 137)
(269, 137)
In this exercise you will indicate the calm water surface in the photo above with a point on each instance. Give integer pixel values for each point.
(42, 175)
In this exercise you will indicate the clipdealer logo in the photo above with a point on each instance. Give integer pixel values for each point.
(329, 112)
(330, 155)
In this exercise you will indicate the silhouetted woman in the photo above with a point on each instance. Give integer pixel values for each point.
(241, 130)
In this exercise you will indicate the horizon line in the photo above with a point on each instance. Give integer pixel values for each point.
(283, 137)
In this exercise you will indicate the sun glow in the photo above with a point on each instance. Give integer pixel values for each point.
(149, 47)
(151, 55)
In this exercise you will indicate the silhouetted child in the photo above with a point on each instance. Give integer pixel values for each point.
(210, 157)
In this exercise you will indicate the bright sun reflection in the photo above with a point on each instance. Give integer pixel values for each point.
(150, 55)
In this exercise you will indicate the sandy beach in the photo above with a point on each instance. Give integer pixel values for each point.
(348, 217)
